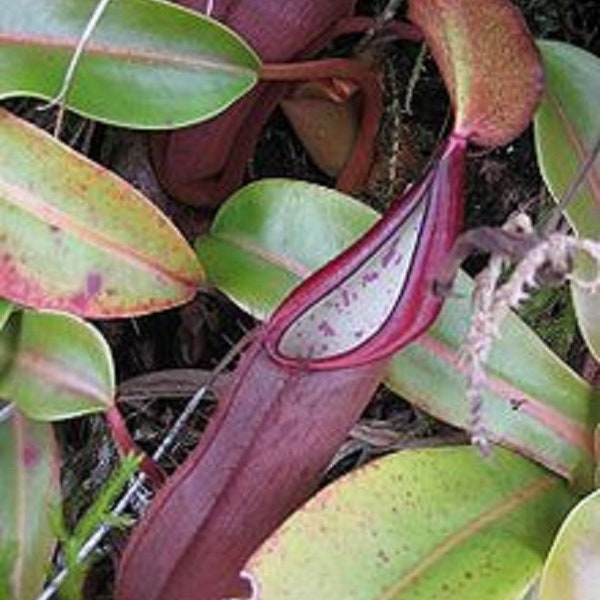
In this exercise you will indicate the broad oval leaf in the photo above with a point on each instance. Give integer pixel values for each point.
(55, 366)
(75, 237)
(435, 524)
(567, 127)
(148, 64)
(273, 233)
(29, 492)
(489, 63)
(573, 567)
(277, 232)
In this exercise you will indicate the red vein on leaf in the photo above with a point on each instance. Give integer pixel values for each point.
(572, 432)
(492, 515)
(273, 258)
(62, 376)
(24, 200)
(135, 55)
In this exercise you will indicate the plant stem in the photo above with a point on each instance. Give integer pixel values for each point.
(415, 75)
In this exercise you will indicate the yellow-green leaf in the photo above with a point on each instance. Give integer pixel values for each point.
(567, 127)
(148, 63)
(55, 366)
(573, 567)
(437, 524)
(75, 237)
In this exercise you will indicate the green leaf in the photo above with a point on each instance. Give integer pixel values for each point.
(489, 63)
(75, 237)
(277, 232)
(271, 234)
(567, 127)
(573, 567)
(5, 310)
(148, 64)
(533, 401)
(29, 490)
(55, 366)
(98, 514)
(436, 524)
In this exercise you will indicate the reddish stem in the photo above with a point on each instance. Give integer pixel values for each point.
(403, 31)
(126, 445)
(356, 170)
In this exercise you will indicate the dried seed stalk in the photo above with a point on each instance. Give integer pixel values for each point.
(550, 260)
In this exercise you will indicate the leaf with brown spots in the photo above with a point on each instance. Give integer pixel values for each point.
(75, 237)
(437, 524)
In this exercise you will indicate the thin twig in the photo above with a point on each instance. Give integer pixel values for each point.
(550, 223)
(137, 486)
(386, 15)
(61, 97)
(415, 75)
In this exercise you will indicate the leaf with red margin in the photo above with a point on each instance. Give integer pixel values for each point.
(75, 237)
(489, 62)
(55, 366)
(29, 491)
